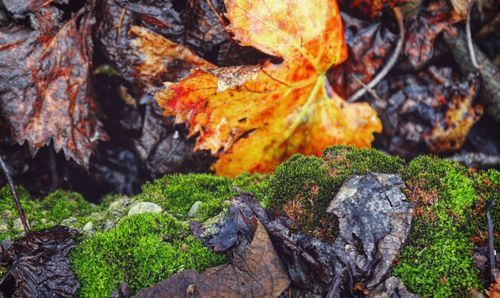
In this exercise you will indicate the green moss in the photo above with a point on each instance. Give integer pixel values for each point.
(347, 160)
(42, 213)
(303, 186)
(141, 250)
(177, 193)
(437, 262)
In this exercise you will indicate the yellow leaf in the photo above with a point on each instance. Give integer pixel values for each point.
(276, 110)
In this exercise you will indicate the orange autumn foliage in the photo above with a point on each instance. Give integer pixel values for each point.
(254, 117)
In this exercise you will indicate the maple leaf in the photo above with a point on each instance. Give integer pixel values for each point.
(44, 82)
(255, 117)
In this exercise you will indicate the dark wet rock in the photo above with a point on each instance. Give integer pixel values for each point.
(374, 221)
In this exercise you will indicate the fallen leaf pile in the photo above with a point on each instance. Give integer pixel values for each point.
(244, 85)
(255, 117)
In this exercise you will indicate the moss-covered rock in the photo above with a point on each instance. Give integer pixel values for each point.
(141, 250)
(302, 186)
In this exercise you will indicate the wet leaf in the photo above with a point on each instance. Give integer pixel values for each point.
(373, 221)
(424, 30)
(269, 113)
(370, 45)
(159, 59)
(40, 266)
(369, 8)
(44, 82)
(433, 111)
(256, 271)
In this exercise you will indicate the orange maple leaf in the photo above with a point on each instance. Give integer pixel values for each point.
(254, 117)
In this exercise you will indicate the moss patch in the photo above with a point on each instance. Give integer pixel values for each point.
(438, 258)
(43, 213)
(141, 250)
(177, 193)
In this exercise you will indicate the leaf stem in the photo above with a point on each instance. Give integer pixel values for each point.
(320, 81)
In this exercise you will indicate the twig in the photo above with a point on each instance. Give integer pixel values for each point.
(220, 19)
(20, 209)
(390, 63)
(489, 72)
(469, 35)
(491, 239)
(368, 89)
(477, 160)
(489, 28)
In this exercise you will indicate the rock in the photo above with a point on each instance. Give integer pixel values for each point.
(4, 228)
(17, 224)
(120, 203)
(88, 228)
(144, 207)
(108, 225)
(7, 214)
(194, 209)
(69, 221)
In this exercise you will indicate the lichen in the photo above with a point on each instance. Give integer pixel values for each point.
(141, 250)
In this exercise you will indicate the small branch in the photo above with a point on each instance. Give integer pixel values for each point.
(477, 160)
(489, 72)
(390, 63)
(20, 209)
(469, 36)
(368, 89)
(491, 239)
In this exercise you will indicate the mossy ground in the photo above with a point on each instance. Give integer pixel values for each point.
(42, 213)
(142, 249)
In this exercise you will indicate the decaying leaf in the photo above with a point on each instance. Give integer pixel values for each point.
(369, 8)
(44, 83)
(40, 266)
(256, 271)
(159, 59)
(374, 220)
(433, 111)
(288, 107)
(423, 31)
(369, 46)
